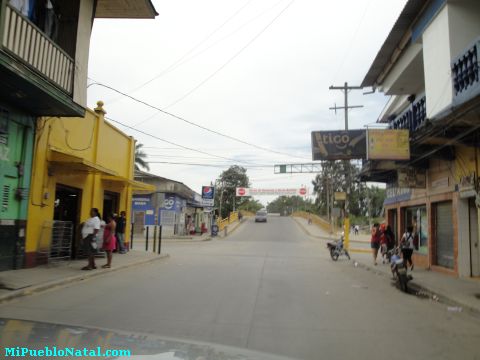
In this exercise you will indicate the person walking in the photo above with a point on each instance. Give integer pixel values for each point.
(407, 246)
(120, 232)
(90, 230)
(375, 242)
(109, 239)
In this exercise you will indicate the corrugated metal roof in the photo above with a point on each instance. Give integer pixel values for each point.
(409, 13)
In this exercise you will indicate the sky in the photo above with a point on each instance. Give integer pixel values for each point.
(258, 71)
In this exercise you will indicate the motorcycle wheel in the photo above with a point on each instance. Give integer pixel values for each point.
(333, 254)
(402, 279)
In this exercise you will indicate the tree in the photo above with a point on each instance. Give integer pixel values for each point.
(235, 176)
(140, 158)
(250, 205)
(285, 205)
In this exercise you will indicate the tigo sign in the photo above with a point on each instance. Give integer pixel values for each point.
(339, 145)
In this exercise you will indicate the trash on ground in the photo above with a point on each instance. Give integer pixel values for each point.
(454, 309)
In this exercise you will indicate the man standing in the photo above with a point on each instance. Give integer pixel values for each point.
(90, 230)
(120, 232)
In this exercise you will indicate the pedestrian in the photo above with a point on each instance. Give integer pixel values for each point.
(120, 232)
(375, 242)
(407, 246)
(90, 230)
(357, 228)
(390, 237)
(383, 242)
(109, 239)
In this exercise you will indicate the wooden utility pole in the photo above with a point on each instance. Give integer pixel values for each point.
(346, 88)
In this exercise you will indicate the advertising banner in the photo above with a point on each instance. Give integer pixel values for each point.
(340, 196)
(208, 192)
(280, 191)
(339, 145)
(411, 178)
(388, 144)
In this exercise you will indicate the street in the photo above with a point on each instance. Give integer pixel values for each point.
(267, 287)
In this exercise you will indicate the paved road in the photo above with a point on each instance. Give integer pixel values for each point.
(267, 287)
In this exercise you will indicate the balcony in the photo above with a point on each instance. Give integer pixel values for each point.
(465, 73)
(413, 117)
(37, 74)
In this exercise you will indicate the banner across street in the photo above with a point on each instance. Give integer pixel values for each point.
(276, 191)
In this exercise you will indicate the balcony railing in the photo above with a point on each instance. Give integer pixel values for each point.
(28, 43)
(413, 117)
(465, 69)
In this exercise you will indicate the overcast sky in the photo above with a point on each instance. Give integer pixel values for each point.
(257, 70)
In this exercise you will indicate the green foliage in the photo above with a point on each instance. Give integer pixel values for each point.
(235, 176)
(285, 205)
(251, 205)
(140, 158)
(363, 201)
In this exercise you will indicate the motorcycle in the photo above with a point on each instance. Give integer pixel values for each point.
(399, 270)
(336, 249)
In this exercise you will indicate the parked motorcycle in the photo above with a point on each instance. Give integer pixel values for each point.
(399, 270)
(336, 249)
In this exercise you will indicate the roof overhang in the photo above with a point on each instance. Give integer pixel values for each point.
(400, 30)
(137, 186)
(62, 161)
(125, 9)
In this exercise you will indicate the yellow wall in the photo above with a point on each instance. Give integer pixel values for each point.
(92, 139)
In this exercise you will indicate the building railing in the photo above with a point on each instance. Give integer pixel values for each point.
(413, 117)
(465, 69)
(229, 220)
(27, 42)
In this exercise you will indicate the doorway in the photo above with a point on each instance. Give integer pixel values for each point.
(138, 222)
(474, 240)
(67, 209)
(110, 203)
(392, 221)
(444, 253)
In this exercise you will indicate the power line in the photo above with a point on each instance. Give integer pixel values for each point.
(193, 123)
(208, 165)
(188, 93)
(175, 144)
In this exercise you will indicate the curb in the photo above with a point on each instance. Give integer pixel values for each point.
(71, 279)
(305, 230)
(191, 240)
(230, 232)
(424, 290)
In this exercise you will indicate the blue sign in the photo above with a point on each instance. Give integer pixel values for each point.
(208, 192)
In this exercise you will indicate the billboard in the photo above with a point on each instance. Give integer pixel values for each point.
(388, 145)
(279, 191)
(411, 178)
(208, 192)
(339, 145)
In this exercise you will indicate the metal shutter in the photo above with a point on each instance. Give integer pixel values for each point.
(444, 232)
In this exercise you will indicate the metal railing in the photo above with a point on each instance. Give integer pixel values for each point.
(229, 220)
(27, 42)
(465, 69)
(413, 117)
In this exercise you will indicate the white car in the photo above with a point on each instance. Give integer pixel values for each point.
(261, 216)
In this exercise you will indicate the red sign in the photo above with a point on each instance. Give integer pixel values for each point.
(241, 191)
(303, 191)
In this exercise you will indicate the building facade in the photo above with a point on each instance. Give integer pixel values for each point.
(43, 73)
(72, 174)
(429, 66)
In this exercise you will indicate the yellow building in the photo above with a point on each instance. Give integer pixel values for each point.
(79, 163)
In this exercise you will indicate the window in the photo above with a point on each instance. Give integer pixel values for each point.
(416, 216)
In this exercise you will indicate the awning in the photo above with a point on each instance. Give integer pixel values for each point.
(62, 161)
(137, 186)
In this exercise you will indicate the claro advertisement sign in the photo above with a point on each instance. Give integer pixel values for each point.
(339, 145)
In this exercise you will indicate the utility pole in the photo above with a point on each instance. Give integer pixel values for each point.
(346, 88)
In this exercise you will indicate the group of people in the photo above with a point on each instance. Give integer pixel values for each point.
(111, 232)
(383, 239)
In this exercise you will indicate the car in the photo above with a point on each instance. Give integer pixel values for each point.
(261, 216)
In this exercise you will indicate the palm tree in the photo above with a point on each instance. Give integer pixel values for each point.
(140, 158)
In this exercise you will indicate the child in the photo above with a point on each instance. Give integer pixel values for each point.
(407, 246)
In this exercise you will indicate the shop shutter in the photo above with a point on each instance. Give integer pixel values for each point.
(444, 232)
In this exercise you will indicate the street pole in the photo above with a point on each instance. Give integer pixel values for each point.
(345, 88)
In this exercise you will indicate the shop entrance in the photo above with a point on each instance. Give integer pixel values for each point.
(67, 209)
(392, 221)
(110, 203)
(474, 240)
(416, 217)
(444, 235)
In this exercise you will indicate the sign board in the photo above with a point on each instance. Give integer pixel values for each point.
(208, 192)
(207, 202)
(286, 192)
(387, 144)
(339, 145)
(336, 212)
(411, 178)
(395, 194)
(340, 196)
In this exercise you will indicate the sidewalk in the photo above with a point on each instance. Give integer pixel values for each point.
(459, 292)
(17, 283)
